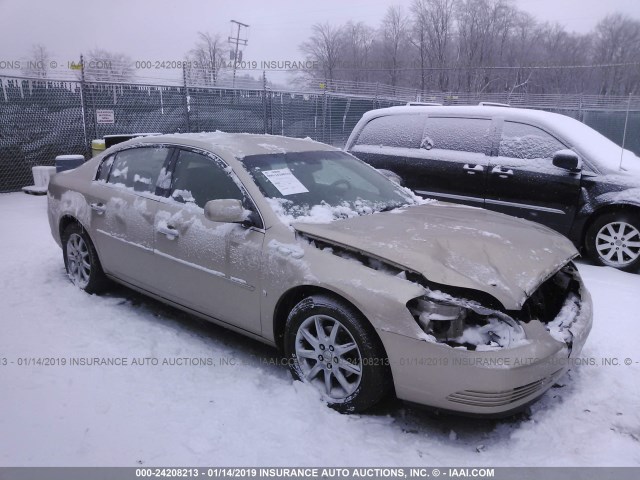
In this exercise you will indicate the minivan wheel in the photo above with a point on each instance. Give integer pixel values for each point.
(614, 240)
(329, 346)
(81, 260)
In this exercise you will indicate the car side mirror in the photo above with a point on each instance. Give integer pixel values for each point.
(568, 160)
(227, 210)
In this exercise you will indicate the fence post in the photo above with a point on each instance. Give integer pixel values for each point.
(580, 116)
(375, 101)
(266, 104)
(324, 112)
(264, 100)
(186, 99)
(624, 133)
(281, 113)
(329, 99)
(83, 107)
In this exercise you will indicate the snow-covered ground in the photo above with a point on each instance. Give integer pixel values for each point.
(252, 413)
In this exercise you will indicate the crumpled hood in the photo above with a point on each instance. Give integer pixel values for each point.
(457, 246)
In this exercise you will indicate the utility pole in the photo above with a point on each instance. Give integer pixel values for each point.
(237, 41)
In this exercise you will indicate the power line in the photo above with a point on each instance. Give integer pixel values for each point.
(295, 65)
(489, 67)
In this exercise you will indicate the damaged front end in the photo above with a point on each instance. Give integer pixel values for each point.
(466, 324)
(464, 349)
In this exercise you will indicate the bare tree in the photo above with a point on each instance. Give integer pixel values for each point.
(471, 17)
(324, 47)
(419, 34)
(481, 46)
(561, 48)
(37, 65)
(358, 41)
(523, 52)
(432, 33)
(207, 59)
(394, 40)
(103, 66)
(617, 41)
(483, 30)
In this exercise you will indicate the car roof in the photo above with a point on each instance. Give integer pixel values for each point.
(569, 130)
(237, 144)
(467, 110)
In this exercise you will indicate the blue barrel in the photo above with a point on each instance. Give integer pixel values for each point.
(68, 162)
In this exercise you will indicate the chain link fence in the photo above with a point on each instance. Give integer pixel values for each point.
(40, 119)
(37, 122)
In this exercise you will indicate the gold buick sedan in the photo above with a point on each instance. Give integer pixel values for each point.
(367, 289)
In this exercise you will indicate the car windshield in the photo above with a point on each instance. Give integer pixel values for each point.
(323, 185)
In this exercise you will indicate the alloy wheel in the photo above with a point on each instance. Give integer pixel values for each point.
(618, 244)
(329, 357)
(78, 260)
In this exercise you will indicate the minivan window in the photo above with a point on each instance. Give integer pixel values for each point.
(458, 134)
(527, 142)
(138, 168)
(403, 131)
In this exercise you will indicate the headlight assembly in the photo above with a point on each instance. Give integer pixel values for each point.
(465, 324)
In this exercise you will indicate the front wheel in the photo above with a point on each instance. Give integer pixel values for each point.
(614, 240)
(331, 347)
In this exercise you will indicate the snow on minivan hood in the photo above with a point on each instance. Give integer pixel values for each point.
(456, 246)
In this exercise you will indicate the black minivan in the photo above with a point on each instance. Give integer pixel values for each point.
(542, 166)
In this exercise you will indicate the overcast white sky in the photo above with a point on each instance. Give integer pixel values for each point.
(166, 29)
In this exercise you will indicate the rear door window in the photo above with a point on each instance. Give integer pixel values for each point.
(139, 168)
(458, 134)
(104, 169)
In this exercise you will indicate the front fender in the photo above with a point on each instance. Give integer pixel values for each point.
(591, 204)
(381, 297)
(630, 196)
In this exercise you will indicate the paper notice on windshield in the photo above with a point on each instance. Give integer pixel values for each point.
(285, 181)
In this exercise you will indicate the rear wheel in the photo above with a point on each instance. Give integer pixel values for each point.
(81, 260)
(614, 240)
(331, 347)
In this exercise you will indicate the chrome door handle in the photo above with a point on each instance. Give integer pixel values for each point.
(169, 231)
(502, 172)
(98, 207)
(473, 169)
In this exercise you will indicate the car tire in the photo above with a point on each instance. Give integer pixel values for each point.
(81, 260)
(344, 360)
(607, 237)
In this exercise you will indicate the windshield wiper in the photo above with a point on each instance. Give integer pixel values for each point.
(389, 207)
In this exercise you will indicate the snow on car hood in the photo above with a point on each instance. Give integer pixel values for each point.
(457, 246)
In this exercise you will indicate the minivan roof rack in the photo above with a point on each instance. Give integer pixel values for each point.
(493, 104)
(423, 104)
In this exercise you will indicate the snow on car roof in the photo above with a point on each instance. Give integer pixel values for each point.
(586, 140)
(238, 144)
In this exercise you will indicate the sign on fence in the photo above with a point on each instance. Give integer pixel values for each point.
(105, 117)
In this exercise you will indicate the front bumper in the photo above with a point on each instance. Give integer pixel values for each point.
(486, 382)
